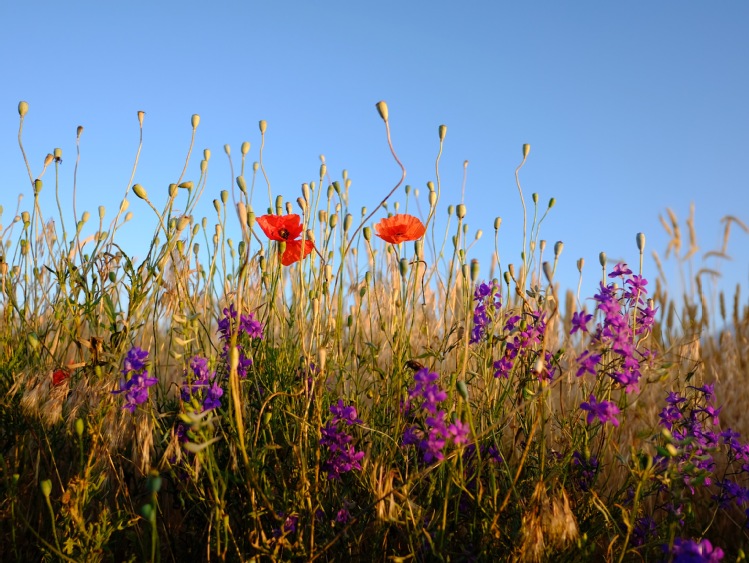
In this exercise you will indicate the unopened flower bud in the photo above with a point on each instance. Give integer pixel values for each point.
(461, 211)
(224, 196)
(558, 247)
(173, 190)
(552, 201)
(367, 232)
(580, 264)
(195, 120)
(186, 185)
(442, 132)
(78, 131)
(141, 114)
(140, 192)
(37, 186)
(23, 108)
(534, 197)
(48, 160)
(263, 126)
(206, 154)
(640, 238)
(403, 267)
(432, 199)
(526, 150)
(227, 149)
(602, 259)
(382, 109)
(474, 270)
(102, 211)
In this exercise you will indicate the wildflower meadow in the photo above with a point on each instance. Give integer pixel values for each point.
(291, 379)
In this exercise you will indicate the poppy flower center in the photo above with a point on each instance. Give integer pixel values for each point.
(283, 233)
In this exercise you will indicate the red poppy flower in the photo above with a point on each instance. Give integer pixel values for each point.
(400, 228)
(286, 228)
(59, 376)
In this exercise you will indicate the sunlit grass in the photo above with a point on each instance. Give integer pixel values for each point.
(332, 385)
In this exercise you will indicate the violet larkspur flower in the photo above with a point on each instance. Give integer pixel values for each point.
(203, 386)
(485, 309)
(136, 385)
(342, 457)
(605, 411)
(690, 551)
(580, 320)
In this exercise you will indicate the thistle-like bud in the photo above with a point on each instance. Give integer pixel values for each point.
(640, 238)
(382, 109)
(245, 148)
(526, 150)
(140, 192)
(263, 126)
(442, 132)
(195, 120)
(23, 108)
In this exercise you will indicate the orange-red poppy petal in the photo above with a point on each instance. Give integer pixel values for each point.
(281, 227)
(293, 252)
(400, 228)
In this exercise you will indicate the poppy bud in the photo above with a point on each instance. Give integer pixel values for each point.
(552, 201)
(203, 166)
(558, 247)
(367, 232)
(46, 487)
(102, 211)
(78, 131)
(141, 114)
(474, 270)
(548, 271)
(86, 216)
(224, 196)
(48, 160)
(58, 154)
(432, 199)
(534, 197)
(442, 132)
(23, 107)
(461, 211)
(462, 389)
(580, 264)
(450, 210)
(382, 109)
(207, 154)
(173, 190)
(602, 259)
(37, 186)
(79, 427)
(186, 185)
(245, 148)
(195, 120)
(227, 149)
(640, 238)
(497, 223)
(526, 150)
(263, 126)
(242, 184)
(347, 221)
(403, 267)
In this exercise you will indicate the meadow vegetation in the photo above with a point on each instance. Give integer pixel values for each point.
(349, 383)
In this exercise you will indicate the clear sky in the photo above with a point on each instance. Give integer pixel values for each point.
(629, 107)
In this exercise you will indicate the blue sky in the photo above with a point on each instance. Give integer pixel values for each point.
(629, 108)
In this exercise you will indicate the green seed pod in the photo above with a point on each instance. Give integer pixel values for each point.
(348, 220)
(465, 269)
(432, 199)
(57, 154)
(419, 249)
(367, 232)
(322, 216)
(305, 192)
(474, 270)
(251, 217)
(102, 212)
(450, 210)
(37, 186)
(497, 223)
(79, 426)
(224, 196)
(153, 485)
(362, 291)
(640, 238)
(263, 126)
(461, 211)
(242, 184)
(552, 202)
(227, 149)
(23, 108)
(217, 205)
(86, 216)
(46, 487)
(333, 220)
(382, 109)
(183, 222)
(442, 132)
(186, 185)
(25, 217)
(430, 186)
(139, 191)
(368, 277)
(462, 389)
(602, 259)
(245, 148)
(526, 150)
(203, 166)
(195, 120)
(534, 197)
(173, 188)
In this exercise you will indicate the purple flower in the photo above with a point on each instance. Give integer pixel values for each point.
(485, 309)
(689, 551)
(343, 413)
(204, 385)
(580, 320)
(342, 456)
(136, 386)
(605, 411)
(620, 269)
(588, 363)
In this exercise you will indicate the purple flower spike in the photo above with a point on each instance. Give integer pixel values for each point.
(136, 386)
(605, 411)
